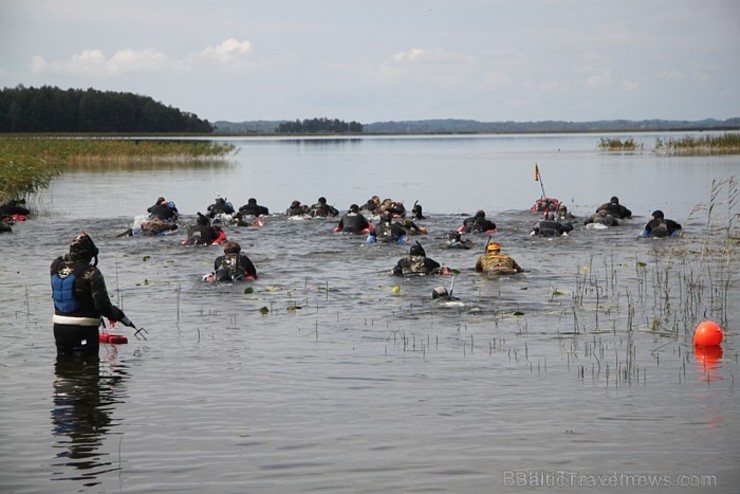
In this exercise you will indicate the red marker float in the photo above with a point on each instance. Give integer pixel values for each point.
(708, 333)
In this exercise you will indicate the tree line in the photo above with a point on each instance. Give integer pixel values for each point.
(51, 109)
(319, 126)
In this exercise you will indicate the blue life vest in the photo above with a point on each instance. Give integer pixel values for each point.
(63, 292)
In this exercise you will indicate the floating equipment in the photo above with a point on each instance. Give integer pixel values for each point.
(113, 339)
(220, 239)
(708, 333)
(545, 204)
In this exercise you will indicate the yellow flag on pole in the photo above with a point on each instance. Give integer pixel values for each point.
(536, 173)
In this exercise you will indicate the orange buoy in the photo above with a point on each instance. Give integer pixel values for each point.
(103, 337)
(707, 333)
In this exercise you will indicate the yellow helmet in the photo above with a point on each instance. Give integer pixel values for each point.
(493, 247)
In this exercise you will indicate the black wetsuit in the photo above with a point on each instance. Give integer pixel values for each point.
(322, 210)
(388, 232)
(551, 228)
(80, 299)
(415, 265)
(253, 210)
(162, 212)
(233, 267)
(616, 210)
(352, 223)
(201, 235)
(220, 207)
(659, 227)
(298, 210)
(476, 224)
(601, 218)
(12, 207)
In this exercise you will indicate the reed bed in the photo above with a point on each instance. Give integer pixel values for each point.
(728, 143)
(614, 144)
(29, 164)
(24, 170)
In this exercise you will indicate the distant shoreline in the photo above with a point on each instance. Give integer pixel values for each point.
(135, 135)
(475, 127)
(463, 133)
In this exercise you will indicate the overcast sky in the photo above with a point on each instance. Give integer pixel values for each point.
(378, 60)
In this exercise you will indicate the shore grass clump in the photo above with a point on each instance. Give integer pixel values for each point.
(615, 144)
(141, 150)
(24, 170)
(28, 164)
(728, 143)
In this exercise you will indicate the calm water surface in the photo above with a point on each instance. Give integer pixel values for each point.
(581, 367)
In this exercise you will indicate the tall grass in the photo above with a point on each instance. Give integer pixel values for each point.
(728, 143)
(721, 144)
(24, 170)
(676, 285)
(614, 144)
(29, 164)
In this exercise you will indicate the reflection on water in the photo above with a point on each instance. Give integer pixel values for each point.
(117, 165)
(85, 395)
(709, 362)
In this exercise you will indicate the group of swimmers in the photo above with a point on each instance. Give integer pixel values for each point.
(81, 298)
(607, 215)
(393, 225)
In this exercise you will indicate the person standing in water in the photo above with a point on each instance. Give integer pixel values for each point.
(80, 299)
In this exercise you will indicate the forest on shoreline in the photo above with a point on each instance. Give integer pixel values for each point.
(52, 110)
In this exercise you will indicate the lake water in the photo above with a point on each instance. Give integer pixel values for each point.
(577, 374)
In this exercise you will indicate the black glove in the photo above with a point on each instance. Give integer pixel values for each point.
(127, 322)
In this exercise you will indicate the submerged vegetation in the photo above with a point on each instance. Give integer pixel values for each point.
(29, 164)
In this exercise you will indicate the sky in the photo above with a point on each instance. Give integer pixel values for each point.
(381, 60)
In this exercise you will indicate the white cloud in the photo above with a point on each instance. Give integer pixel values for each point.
(409, 56)
(230, 53)
(95, 62)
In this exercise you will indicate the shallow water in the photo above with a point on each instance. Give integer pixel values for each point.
(583, 365)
